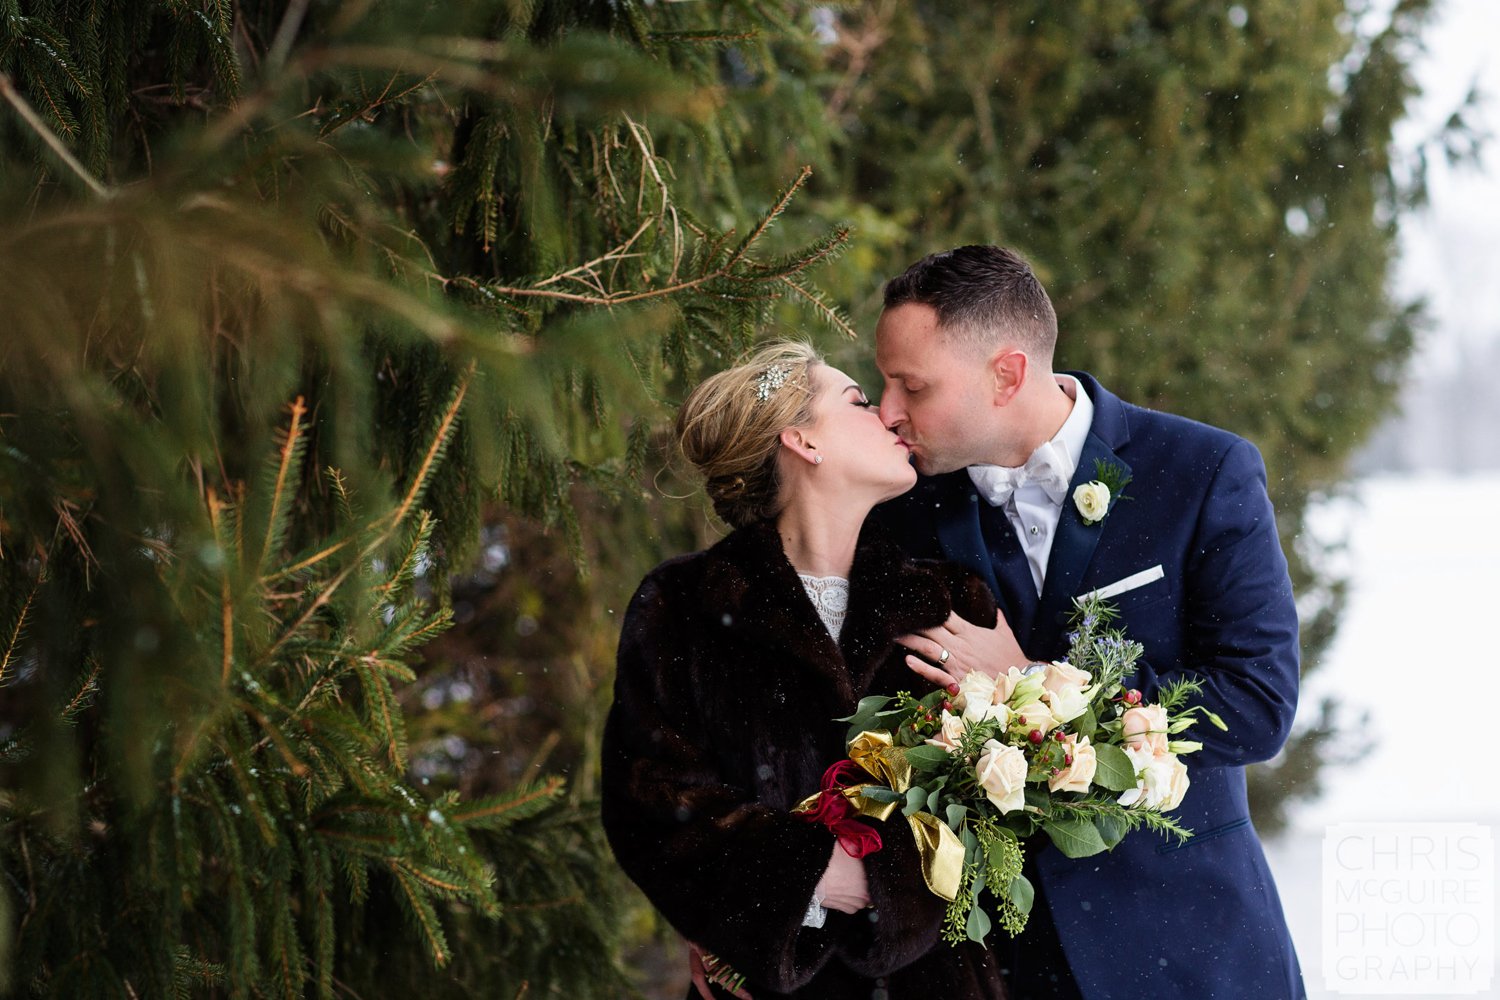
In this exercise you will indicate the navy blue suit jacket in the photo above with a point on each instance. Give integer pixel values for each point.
(1153, 918)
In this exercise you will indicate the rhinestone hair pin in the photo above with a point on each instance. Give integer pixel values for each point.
(770, 380)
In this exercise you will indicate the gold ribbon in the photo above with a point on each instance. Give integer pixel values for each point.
(938, 847)
(941, 851)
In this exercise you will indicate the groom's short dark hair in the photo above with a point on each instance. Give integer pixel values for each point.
(982, 295)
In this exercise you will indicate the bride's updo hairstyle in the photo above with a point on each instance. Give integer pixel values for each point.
(730, 428)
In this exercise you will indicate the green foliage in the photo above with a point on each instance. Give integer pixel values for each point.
(488, 245)
(450, 237)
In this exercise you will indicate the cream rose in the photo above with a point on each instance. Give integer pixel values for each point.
(1061, 674)
(1145, 726)
(1092, 501)
(979, 698)
(1176, 784)
(951, 732)
(976, 693)
(1067, 703)
(1037, 715)
(1161, 780)
(1001, 771)
(1079, 775)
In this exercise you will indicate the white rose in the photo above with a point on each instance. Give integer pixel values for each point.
(1037, 716)
(1067, 703)
(1000, 713)
(1001, 771)
(1061, 674)
(1092, 501)
(1161, 780)
(950, 733)
(976, 693)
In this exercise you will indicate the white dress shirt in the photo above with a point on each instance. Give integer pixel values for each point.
(1033, 510)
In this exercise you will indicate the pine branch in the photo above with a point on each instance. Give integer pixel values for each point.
(226, 599)
(436, 448)
(17, 632)
(499, 811)
(724, 270)
(61, 151)
(831, 315)
(285, 480)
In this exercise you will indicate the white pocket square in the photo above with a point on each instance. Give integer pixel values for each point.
(1129, 583)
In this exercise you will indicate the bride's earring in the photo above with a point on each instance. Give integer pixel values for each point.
(817, 460)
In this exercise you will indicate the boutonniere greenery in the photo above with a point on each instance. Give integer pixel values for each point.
(1094, 499)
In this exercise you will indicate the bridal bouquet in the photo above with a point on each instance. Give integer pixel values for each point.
(1063, 747)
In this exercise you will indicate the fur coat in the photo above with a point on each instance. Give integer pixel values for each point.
(726, 695)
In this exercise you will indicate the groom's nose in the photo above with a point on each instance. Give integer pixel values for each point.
(892, 413)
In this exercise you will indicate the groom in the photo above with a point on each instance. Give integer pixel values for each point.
(1188, 553)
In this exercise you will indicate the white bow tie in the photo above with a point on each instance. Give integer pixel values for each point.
(1045, 468)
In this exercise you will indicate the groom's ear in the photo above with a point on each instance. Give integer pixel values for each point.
(1008, 373)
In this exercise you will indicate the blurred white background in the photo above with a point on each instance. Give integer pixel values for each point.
(1422, 523)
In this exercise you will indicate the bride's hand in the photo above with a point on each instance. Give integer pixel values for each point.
(968, 647)
(843, 886)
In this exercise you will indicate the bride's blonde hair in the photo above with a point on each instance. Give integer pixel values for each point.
(730, 427)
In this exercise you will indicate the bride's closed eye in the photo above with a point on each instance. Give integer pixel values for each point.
(864, 403)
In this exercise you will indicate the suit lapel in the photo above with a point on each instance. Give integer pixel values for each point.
(961, 534)
(1074, 546)
(958, 529)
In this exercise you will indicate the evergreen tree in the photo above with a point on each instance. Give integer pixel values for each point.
(294, 290)
(341, 340)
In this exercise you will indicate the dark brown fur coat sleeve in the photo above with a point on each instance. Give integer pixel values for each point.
(727, 692)
(730, 873)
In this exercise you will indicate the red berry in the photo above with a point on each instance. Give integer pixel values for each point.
(1021, 719)
(1132, 697)
(1057, 734)
(1035, 736)
(947, 706)
(1068, 759)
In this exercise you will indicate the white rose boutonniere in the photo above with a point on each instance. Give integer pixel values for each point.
(1095, 499)
(1092, 501)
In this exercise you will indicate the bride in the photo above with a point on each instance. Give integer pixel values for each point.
(733, 665)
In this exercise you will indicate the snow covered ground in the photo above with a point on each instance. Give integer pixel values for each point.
(1413, 649)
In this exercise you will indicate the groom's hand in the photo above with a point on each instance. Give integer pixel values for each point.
(969, 647)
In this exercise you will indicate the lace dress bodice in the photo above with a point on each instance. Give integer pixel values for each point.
(830, 595)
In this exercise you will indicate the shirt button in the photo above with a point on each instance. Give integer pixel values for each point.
(1033, 529)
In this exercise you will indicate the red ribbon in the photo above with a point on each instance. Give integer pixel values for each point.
(834, 811)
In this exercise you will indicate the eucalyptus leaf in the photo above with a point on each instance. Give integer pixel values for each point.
(916, 798)
(879, 793)
(979, 924)
(1022, 894)
(956, 813)
(865, 714)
